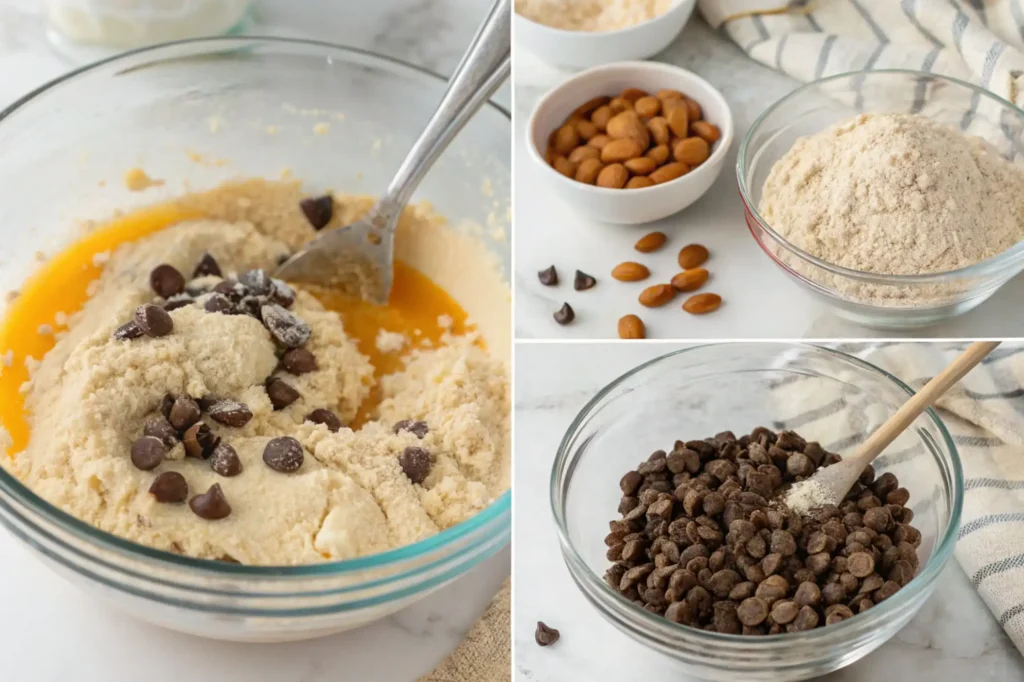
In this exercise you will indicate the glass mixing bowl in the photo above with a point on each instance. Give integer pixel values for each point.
(194, 114)
(883, 301)
(697, 392)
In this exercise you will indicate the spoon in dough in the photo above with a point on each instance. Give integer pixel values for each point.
(358, 259)
(829, 485)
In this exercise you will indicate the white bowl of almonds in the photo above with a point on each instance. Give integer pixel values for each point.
(631, 142)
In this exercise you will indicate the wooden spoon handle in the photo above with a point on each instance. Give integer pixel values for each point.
(922, 400)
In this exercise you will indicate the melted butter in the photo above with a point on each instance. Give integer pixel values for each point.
(61, 284)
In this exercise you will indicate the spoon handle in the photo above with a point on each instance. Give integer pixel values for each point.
(484, 67)
(922, 400)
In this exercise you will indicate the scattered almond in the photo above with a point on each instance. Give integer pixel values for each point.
(657, 295)
(630, 272)
(652, 241)
(614, 176)
(690, 280)
(692, 256)
(702, 304)
(631, 327)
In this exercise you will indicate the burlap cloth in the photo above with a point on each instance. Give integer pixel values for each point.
(485, 655)
(985, 418)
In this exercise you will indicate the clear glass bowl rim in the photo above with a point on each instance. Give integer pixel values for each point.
(1001, 261)
(9, 485)
(655, 623)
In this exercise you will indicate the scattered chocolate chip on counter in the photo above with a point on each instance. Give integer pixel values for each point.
(583, 281)
(169, 487)
(546, 636)
(564, 315)
(548, 277)
(211, 505)
(416, 463)
(283, 454)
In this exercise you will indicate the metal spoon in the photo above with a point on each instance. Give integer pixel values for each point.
(358, 259)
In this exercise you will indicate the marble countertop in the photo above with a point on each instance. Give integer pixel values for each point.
(51, 632)
(954, 637)
(760, 300)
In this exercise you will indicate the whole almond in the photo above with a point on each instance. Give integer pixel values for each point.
(601, 116)
(620, 150)
(583, 153)
(669, 94)
(631, 327)
(690, 280)
(708, 131)
(678, 121)
(599, 141)
(633, 94)
(630, 272)
(620, 104)
(652, 241)
(627, 124)
(647, 106)
(693, 110)
(669, 172)
(586, 129)
(657, 295)
(693, 151)
(588, 171)
(702, 304)
(692, 256)
(565, 139)
(641, 165)
(660, 153)
(639, 182)
(658, 127)
(550, 155)
(613, 176)
(591, 105)
(565, 167)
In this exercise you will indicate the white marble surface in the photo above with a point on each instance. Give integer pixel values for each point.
(760, 300)
(49, 631)
(954, 637)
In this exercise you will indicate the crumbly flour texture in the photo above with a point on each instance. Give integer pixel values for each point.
(896, 194)
(591, 15)
(91, 395)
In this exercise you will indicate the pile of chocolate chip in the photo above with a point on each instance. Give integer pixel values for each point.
(706, 541)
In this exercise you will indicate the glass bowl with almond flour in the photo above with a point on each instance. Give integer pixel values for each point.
(916, 296)
(159, 123)
(698, 392)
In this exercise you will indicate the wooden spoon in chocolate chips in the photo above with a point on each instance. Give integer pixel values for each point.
(358, 259)
(832, 483)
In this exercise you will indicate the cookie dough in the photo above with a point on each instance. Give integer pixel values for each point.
(89, 398)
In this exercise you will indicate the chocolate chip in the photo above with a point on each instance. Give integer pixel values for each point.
(281, 394)
(160, 428)
(211, 505)
(546, 636)
(282, 294)
(207, 266)
(752, 611)
(128, 331)
(219, 303)
(166, 403)
(166, 281)
(565, 314)
(290, 331)
(180, 301)
(417, 427)
(184, 413)
(230, 288)
(283, 454)
(169, 487)
(299, 361)
(416, 463)
(225, 461)
(548, 277)
(199, 441)
(318, 210)
(230, 413)
(153, 320)
(252, 306)
(257, 282)
(860, 564)
(325, 417)
(583, 281)
(147, 453)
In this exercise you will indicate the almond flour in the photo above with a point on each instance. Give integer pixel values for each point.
(591, 15)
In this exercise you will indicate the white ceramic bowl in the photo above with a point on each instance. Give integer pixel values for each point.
(629, 206)
(583, 49)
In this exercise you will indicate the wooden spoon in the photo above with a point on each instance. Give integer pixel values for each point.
(829, 485)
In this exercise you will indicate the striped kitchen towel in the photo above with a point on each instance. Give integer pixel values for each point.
(981, 41)
(985, 416)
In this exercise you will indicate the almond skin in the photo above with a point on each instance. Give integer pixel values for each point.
(630, 272)
(690, 280)
(702, 304)
(692, 256)
(657, 295)
(652, 241)
(631, 327)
